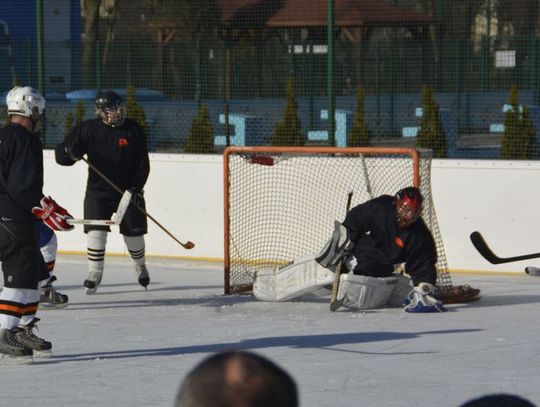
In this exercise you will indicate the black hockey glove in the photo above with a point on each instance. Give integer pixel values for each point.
(64, 156)
(137, 197)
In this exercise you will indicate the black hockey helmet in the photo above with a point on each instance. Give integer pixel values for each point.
(109, 108)
(408, 205)
(107, 99)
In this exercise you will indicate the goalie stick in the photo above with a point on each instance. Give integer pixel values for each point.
(116, 219)
(483, 248)
(188, 245)
(334, 302)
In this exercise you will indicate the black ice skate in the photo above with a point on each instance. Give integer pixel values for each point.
(26, 336)
(50, 298)
(142, 276)
(12, 351)
(93, 281)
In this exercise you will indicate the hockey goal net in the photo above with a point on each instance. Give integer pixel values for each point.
(281, 202)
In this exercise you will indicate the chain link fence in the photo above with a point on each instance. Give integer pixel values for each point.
(206, 74)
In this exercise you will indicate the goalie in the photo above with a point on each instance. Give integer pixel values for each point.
(375, 238)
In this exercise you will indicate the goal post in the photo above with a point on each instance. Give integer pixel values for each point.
(280, 203)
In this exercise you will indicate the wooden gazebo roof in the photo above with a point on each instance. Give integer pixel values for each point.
(313, 13)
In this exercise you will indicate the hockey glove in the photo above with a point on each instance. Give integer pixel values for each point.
(420, 300)
(137, 197)
(64, 156)
(52, 214)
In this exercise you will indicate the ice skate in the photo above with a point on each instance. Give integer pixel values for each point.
(93, 281)
(142, 276)
(11, 350)
(52, 299)
(26, 336)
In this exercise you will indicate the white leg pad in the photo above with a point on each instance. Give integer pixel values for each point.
(363, 292)
(301, 277)
(401, 290)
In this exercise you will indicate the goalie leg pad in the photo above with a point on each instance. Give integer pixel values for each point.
(363, 292)
(401, 290)
(299, 278)
(264, 286)
(335, 247)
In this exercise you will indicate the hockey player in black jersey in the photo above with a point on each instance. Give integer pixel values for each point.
(375, 237)
(22, 206)
(116, 147)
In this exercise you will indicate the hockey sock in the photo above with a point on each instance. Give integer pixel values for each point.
(96, 241)
(32, 301)
(13, 305)
(136, 249)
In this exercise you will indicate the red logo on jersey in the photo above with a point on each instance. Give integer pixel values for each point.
(399, 242)
(122, 142)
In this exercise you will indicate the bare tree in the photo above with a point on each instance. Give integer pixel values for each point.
(90, 37)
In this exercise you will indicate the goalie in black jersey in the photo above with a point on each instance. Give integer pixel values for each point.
(116, 147)
(375, 238)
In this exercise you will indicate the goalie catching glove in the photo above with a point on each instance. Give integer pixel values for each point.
(420, 299)
(52, 214)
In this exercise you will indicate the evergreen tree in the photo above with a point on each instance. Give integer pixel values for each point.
(519, 134)
(68, 125)
(529, 135)
(511, 126)
(288, 131)
(431, 134)
(80, 113)
(135, 111)
(359, 135)
(72, 121)
(201, 134)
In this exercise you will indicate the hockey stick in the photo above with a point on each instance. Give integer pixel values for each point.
(483, 248)
(188, 245)
(116, 219)
(334, 302)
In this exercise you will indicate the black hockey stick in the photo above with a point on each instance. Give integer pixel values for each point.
(188, 245)
(334, 302)
(483, 248)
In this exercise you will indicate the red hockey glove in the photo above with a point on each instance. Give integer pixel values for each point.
(52, 214)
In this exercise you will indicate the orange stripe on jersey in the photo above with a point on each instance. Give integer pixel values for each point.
(122, 142)
(399, 242)
(50, 266)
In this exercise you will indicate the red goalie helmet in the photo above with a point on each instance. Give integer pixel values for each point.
(408, 206)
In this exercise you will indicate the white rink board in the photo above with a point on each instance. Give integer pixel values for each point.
(185, 194)
(498, 198)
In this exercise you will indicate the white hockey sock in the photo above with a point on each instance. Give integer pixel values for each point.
(19, 297)
(136, 249)
(32, 299)
(48, 251)
(96, 243)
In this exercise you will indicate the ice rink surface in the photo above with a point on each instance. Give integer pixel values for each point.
(128, 347)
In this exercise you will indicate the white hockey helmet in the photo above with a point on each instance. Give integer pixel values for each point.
(24, 101)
